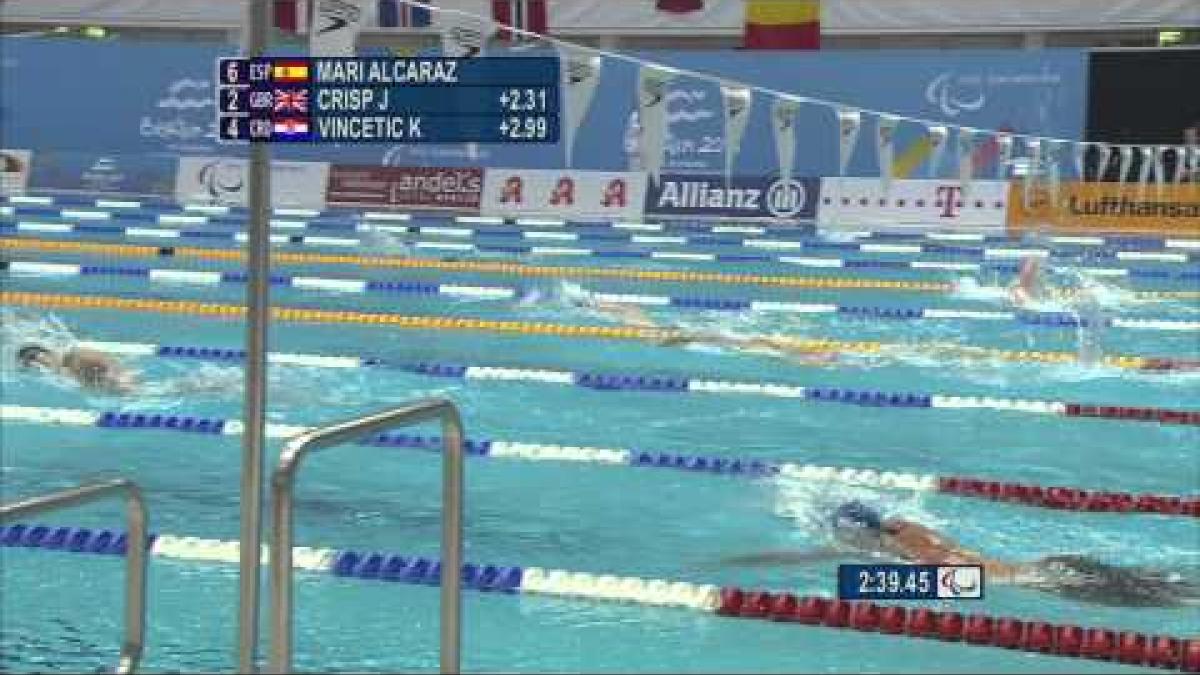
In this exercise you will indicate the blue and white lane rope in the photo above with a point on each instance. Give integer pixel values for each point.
(351, 219)
(1061, 320)
(1055, 497)
(1036, 637)
(305, 283)
(982, 254)
(612, 382)
(495, 449)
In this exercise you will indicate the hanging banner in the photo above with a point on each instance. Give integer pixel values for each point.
(579, 75)
(1181, 158)
(1146, 165)
(1126, 154)
(335, 26)
(885, 147)
(783, 121)
(464, 36)
(966, 158)
(1079, 153)
(1033, 165)
(1053, 161)
(1102, 163)
(848, 123)
(1160, 158)
(737, 102)
(652, 114)
(937, 147)
(1004, 147)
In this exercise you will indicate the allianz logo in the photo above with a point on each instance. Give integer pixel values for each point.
(779, 199)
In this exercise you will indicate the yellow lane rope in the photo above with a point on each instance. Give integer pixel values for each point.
(487, 267)
(61, 301)
(511, 269)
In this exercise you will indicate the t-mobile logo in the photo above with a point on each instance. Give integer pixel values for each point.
(950, 199)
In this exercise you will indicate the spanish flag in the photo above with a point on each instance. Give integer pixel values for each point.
(289, 71)
(783, 24)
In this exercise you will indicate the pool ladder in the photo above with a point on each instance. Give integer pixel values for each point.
(282, 490)
(135, 556)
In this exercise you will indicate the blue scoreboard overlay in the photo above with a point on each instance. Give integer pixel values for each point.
(388, 100)
(910, 582)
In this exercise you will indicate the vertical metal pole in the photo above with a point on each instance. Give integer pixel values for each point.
(452, 508)
(258, 198)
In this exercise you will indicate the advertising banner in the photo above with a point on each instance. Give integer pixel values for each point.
(406, 187)
(112, 174)
(853, 203)
(563, 194)
(14, 171)
(1172, 209)
(741, 197)
(222, 180)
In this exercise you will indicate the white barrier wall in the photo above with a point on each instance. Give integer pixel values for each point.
(222, 180)
(14, 171)
(907, 204)
(564, 194)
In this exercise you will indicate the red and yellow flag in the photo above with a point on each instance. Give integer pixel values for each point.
(783, 24)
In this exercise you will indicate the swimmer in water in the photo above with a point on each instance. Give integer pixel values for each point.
(634, 316)
(1029, 286)
(860, 529)
(92, 369)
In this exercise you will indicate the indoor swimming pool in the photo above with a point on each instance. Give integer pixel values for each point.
(591, 383)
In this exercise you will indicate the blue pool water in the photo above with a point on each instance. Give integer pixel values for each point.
(61, 612)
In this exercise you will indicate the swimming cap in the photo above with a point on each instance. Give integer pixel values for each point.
(855, 514)
(29, 353)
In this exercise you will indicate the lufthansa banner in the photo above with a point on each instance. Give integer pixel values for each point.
(563, 194)
(712, 196)
(1171, 209)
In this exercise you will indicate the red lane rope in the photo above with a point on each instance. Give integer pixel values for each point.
(1070, 499)
(1038, 637)
(1163, 415)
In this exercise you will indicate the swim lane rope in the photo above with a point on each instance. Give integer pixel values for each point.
(1050, 497)
(978, 629)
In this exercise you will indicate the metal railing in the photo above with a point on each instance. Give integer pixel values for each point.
(282, 489)
(135, 556)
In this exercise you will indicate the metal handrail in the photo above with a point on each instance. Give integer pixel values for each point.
(135, 557)
(282, 489)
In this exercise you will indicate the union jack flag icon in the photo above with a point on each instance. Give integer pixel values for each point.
(291, 100)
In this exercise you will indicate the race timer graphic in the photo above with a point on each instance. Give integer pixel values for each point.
(388, 100)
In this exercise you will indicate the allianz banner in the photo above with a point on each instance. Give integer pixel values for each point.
(926, 204)
(742, 197)
(1170, 209)
(563, 194)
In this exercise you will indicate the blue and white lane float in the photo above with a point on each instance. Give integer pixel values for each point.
(818, 610)
(1060, 320)
(1051, 497)
(678, 384)
(352, 219)
(40, 227)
